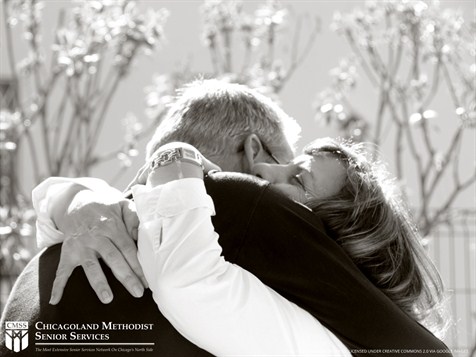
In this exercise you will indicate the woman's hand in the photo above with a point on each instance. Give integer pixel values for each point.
(99, 225)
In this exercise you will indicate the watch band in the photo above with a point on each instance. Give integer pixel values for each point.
(168, 156)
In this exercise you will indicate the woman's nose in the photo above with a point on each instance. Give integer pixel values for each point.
(274, 173)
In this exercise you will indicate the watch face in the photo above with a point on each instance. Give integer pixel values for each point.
(168, 156)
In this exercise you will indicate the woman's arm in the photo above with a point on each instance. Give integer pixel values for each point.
(215, 304)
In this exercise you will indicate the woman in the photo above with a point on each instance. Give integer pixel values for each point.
(371, 222)
(352, 195)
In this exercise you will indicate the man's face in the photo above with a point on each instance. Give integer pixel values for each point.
(236, 161)
(285, 155)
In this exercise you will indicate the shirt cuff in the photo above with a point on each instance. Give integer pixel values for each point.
(171, 199)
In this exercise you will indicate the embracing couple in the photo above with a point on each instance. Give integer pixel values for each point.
(247, 249)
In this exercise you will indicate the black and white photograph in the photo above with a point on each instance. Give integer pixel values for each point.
(191, 178)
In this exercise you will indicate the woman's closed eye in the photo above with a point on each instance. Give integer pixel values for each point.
(298, 182)
(301, 182)
(297, 179)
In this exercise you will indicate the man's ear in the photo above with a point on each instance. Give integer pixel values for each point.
(254, 151)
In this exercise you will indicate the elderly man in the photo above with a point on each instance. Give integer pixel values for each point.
(234, 127)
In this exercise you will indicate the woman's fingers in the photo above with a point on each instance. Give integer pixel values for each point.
(209, 166)
(140, 178)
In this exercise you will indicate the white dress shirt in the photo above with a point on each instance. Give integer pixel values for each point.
(217, 305)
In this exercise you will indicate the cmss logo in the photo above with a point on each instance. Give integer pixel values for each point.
(16, 335)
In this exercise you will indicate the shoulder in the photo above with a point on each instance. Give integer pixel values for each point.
(235, 194)
(230, 183)
(29, 301)
(24, 299)
(232, 191)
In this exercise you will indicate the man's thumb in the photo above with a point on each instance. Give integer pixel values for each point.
(129, 216)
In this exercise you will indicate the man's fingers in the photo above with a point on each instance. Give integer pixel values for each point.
(62, 275)
(97, 279)
(129, 250)
(130, 218)
(122, 270)
(127, 247)
(124, 243)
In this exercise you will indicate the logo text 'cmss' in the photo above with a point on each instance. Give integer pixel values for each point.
(16, 335)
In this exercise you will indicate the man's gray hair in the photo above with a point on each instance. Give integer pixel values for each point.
(216, 117)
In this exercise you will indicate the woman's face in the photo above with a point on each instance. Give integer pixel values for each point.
(306, 177)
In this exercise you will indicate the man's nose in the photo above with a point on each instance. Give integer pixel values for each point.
(274, 173)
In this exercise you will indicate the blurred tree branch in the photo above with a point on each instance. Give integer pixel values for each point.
(94, 33)
(59, 112)
(245, 48)
(410, 51)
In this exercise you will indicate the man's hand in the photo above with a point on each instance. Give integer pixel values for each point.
(98, 225)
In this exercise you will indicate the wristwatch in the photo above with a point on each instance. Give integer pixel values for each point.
(168, 156)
